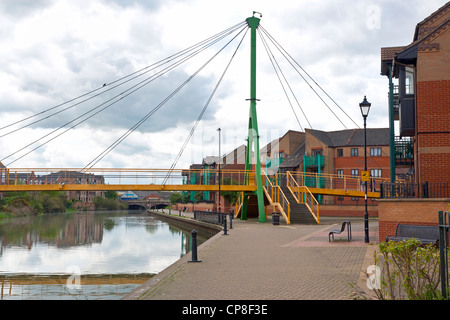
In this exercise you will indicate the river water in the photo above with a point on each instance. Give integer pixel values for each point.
(85, 255)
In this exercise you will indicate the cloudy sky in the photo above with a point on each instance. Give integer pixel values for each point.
(53, 51)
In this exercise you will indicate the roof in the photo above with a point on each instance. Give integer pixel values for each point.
(425, 31)
(388, 55)
(352, 137)
(429, 24)
(294, 159)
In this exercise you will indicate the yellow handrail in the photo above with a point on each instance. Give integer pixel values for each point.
(273, 194)
(311, 202)
(238, 204)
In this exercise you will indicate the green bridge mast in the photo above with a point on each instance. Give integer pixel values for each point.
(253, 135)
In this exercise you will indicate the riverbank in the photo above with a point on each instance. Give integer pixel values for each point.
(19, 204)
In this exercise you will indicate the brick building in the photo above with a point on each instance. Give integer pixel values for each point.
(422, 70)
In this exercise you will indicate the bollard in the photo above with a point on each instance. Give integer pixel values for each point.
(231, 218)
(194, 246)
(225, 224)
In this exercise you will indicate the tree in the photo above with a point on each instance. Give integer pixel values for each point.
(176, 198)
(111, 195)
(230, 196)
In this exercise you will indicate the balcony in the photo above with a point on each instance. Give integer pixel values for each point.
(404, 151)
(314, 162)
(396, 101)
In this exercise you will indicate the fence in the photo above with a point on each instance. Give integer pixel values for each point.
(443, 251)
(414, 190)
(211, 216)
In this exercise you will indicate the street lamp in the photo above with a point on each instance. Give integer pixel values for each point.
(219, 171)
(365, 107)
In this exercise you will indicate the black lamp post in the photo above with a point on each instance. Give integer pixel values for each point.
(365, 107)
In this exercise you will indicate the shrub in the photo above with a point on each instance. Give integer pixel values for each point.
(409, 270)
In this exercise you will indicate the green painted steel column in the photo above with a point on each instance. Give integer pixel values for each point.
(253, 135)
(391, 126)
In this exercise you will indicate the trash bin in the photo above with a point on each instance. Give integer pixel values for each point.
(276, 218)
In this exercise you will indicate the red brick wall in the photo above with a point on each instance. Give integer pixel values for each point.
(433, 131)
(405, 211)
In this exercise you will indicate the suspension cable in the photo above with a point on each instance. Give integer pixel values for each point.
(286, 54)
(154, 110)
(106, 85)
(117, 98)
(202, 113)
(270, 55)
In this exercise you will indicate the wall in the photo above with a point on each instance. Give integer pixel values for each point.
(348, 210)
(408, 211)
(433, 106)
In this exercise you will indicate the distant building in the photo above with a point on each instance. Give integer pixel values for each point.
(341, 153)
(61, 177)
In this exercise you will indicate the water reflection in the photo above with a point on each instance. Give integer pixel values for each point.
(109, 249)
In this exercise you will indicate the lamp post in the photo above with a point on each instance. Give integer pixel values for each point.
(220, 211)
(365, 107)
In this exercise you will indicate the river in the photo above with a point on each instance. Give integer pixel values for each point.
(85, 255)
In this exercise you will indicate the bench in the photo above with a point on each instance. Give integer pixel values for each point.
(349, 231)
(425, 234)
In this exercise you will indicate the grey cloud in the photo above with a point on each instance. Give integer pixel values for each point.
(20, 8)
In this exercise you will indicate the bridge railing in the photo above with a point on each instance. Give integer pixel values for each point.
(303, 195)
(132, 176)
(331, 181)
(277, 197)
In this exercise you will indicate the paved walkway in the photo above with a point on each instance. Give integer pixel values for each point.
(257, 261)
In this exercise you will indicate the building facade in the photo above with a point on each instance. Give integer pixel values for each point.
(422, 70)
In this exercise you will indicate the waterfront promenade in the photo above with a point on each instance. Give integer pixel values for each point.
(259, 261)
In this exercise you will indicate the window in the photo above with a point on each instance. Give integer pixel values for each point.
(316, 152)
(340, 153)
(409, 80)
(375, 152)
(375, 173)
(355, 172)
(340, 173)
(354, 152)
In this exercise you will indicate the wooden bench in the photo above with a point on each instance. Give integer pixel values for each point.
(349, 231)
(425, 234)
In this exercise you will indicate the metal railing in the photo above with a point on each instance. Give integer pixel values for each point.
(277, 198)
(210, 216)
(405, 190)
(444, 225)
(303, 195)
(332, 181)
(134, 176)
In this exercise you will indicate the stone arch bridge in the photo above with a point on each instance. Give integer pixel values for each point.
(147, 204)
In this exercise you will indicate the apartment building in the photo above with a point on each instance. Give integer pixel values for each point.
(421, 105)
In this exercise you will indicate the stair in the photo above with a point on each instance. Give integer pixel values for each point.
(299, 212)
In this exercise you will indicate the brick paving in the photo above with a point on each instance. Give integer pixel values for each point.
(258, 261)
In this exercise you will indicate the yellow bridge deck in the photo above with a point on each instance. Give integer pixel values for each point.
(113, 179)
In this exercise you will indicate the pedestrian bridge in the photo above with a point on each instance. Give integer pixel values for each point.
(304, 186)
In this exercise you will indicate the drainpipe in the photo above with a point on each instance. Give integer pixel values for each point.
(391, 126)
